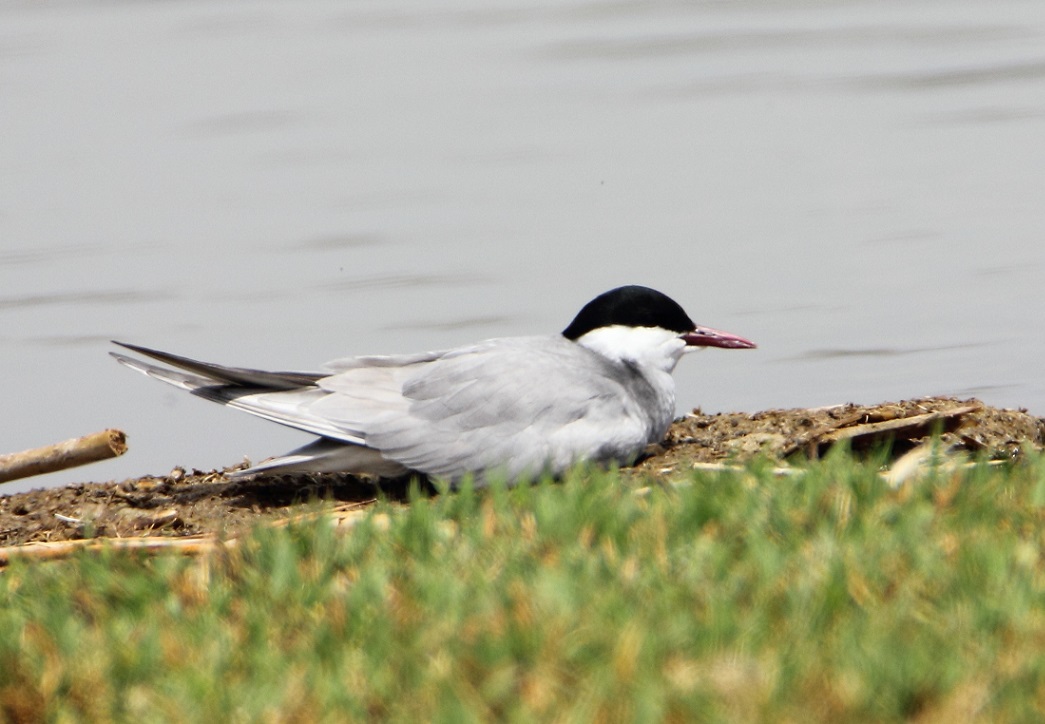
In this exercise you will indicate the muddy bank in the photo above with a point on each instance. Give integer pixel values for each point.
(197, 502)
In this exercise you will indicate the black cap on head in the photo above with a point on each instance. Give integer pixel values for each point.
(631, 306)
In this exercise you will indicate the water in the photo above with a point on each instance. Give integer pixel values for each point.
(857, 186)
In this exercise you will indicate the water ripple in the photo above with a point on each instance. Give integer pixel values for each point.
(29, 301)
(454, 324)
(729, 39)
(403, 281)
(952, 77)
(836, 353)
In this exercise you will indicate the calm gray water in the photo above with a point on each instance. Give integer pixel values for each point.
(857, 186)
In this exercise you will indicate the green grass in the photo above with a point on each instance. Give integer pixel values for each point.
(739, 597)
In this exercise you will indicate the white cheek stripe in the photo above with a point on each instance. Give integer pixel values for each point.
(650, 346)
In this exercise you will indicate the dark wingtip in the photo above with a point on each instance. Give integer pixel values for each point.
(133, 347)
(240, 376)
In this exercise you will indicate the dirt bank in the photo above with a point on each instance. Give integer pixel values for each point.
(192, 503)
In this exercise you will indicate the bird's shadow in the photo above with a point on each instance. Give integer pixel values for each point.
(284, 490)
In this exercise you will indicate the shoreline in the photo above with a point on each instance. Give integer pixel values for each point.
(184, 504)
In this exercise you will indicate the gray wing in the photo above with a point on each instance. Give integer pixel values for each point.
(523, 405)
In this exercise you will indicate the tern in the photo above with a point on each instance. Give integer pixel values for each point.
(517, 407)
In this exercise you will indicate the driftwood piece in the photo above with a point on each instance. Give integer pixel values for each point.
(893, 425)
(811, 438)
(60, 456)
(343, 517)
(878, 424)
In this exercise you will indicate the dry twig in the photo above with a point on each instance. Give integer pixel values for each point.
(69, 454)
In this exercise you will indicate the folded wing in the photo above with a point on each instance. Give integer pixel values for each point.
(520, 405)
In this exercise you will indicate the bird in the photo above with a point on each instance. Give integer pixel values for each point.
(517, 408)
